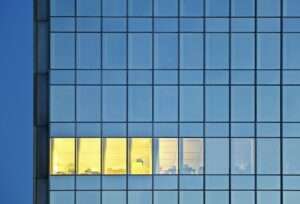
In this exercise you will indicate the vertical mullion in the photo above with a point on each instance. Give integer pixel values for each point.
(101, 105)
(127, 105)
(229, 98)
(281, 101)
(152, 103)
(75, 107)
(204, 101)
(179, 142)
(255, 101)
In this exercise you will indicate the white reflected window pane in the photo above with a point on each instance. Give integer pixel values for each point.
(166, 156)
(242, 156)
(192, 156)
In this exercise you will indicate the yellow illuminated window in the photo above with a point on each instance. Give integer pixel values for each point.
(140, 156)
(166, 156)
(192, 153)
(88, 155)
(62, 156)
(114, 158)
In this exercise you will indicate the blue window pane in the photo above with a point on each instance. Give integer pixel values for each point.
(216, 77)
(165, 182)
(139, 77)
(114, 103)
(114, 130)
(291, 129)
(163, 197)
(242, 197)
(62, 77)
(214, 197)
(242, 130)
(62, 103)
(191, 49)
(88, 50)
(139, 25)
(140, 129)
(242, 156)
(216, 156)
(114, 51)
(62, 50)
(140, 103)
(114, 7)
(113, 197)
(242, 51)
(268, 182)
(217, 108)
(266, 197)
(291, 25)
(191, 197)
(291, 49)
(140, 51)
(191, 103)
(88, 182)
(191, 7)
(165, 103)
(291, 154)
(242, 182)
(140, 7)
(216, 129)
(113, 182)
(268, 25)
(242, 7)
(88, 76)
(268, 103)
(165, 48)
(217, 8)
(191, 24)
(191, 182)
(216, 51)
(216, 25)
(166, 77)
(90, 197)
(242, 77)
(139, 197)
(268, 51)
(291, 100)
(139, 182)
(191, 77)
(88, 8)
(62, 24)
(165, 25)
(88, 24)
(61, 182)
(114, 77)
(268, 77)
(165, 130)
(58, 197)
(291, 197)
(291, 7)
(62, 7)
(268, 7)
(216, 182)
(165, 7)
(114, 24)
(268, 156)
(88, 103)
(242, 103)
(242, 25)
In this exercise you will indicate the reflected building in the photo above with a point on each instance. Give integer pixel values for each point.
(167, 102)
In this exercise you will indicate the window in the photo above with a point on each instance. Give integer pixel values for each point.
(88, 8)
(66, 197)
(138, 197)
(291, 100)
(242, 103)
(163, 197)
(88, 155)
(114, 103)
(191, 197)
(62, 156)
(192, 156)
(88, 103)
(90, 197)
(166, 156)
(291, 46)
(140, 7)
(268, 156)
(268, 51)
(242, 51)
(62, 103)
(165, 49)
(291, 154)
(140, 51)
(140, 156)
(191, 49)
(165, 7)
(217, 8)
(114, 7)
(268, 103)
(140, 103)
(268, 8)
(165, 103)
(191, 103)
(216, 53)
(291, 8)
(88, 50)
(113, 197)
(242, 7)
(191, 7)
(242, 156)
(216, 156)
(62, 7)
(217, 103)
(114, 50)
(62, 51)
(114, 156)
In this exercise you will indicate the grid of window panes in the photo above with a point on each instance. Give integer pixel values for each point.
(225, 72)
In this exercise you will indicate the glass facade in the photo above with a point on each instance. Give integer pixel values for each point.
(174, 102)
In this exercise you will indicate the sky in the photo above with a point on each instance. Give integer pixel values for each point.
(16, 98)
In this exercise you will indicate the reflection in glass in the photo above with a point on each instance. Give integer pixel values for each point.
(114, 156)
(242, 155)
(88, 151)
(62, 156)
(192, 156)
(141, 156)
(166, 156)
